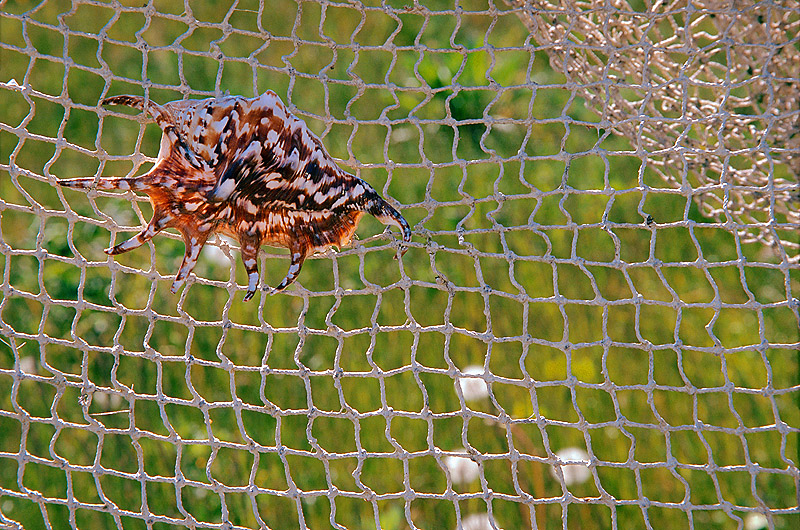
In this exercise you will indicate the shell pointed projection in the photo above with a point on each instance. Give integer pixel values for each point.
(247, 168)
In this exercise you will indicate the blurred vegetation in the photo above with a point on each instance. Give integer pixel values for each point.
(601, 331)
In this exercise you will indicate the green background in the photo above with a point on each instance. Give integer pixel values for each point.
(667, 350)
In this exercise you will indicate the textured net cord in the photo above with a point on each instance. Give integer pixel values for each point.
(725, 100)
(520, 451)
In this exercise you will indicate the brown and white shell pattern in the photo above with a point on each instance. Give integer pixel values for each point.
(247, 168)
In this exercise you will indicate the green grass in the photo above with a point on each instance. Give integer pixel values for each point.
(510, 266)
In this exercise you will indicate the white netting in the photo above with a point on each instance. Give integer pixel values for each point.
(595, 325)
(710, 88)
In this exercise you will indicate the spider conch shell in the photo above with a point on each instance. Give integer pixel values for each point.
(247, 168)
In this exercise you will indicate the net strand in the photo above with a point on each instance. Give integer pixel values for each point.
(485, 379)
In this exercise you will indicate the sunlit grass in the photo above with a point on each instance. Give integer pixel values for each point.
(531, 256)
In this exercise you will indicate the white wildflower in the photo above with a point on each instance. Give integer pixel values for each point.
(479, 521)
(107, 399)
(473, 388)
(755, 521)
(573, 473)
(27, 365)
(463, 470)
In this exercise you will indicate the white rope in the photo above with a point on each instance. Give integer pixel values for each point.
(596, 322)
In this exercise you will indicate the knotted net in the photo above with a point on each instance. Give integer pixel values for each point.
(595, 324)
